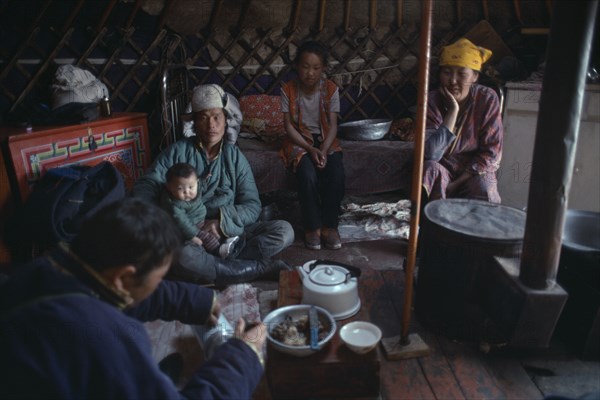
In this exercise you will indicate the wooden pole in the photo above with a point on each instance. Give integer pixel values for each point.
(347, 11)
(417, 177)
(411, 346)
(322, 7)
(399, 12)
(373, 15)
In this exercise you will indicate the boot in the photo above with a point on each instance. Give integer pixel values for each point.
(229, 272)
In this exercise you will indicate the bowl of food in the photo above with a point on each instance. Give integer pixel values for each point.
(360, 336)
(288, 329)
(366, 129)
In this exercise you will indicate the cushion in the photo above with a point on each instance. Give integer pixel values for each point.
(262, 116)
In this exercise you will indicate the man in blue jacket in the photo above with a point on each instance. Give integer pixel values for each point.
(229, 193)
(70, 321)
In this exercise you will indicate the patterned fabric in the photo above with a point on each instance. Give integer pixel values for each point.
(291, 153)
(477, 146)
(262, 116)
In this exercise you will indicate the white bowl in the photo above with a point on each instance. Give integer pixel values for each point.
(360, 336)
(295, 312)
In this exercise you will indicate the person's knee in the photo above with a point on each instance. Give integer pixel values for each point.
(284, 232)
(306, 169)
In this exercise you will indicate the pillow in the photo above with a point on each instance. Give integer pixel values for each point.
(262, 116)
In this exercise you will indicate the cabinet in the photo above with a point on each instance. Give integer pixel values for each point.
(520, 122)
(121, 139)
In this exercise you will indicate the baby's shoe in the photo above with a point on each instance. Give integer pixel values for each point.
(228, 247)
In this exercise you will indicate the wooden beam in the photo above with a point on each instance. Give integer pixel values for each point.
(399, 12)
(72, 16)
(373, 15)
(136, 8)
(215, 14)
(265, 65)
(242, 62)
(40, 72)
(141, 59)
(322, 4)
(243, 14)
(347, 10)
(295, 16)
(517, 5)
(83, 58)
(167, 9)
(105, 15)
(22, 47)
(486, 10)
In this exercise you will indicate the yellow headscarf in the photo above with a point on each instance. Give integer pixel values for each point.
(463, 53)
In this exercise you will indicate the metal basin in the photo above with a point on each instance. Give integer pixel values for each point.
(295, 313)
(581, 232)
(366, 129)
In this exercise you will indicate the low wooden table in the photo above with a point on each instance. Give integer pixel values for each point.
(335, 371)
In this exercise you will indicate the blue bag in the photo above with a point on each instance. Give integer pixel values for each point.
(64, 198)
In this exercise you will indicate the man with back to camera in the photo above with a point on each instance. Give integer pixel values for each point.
(70, 321)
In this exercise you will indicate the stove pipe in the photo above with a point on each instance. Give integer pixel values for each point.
(569, 48)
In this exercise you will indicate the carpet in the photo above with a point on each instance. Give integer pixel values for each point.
(366, 217)
(374, 221)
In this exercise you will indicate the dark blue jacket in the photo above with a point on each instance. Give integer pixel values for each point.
(60, 340)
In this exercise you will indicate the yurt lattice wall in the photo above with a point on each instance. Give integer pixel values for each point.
(247, 46)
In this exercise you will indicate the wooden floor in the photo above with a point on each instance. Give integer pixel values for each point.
(455, 369)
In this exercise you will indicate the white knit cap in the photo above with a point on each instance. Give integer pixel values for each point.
(208, 96)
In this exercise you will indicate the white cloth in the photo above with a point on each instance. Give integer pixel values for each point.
(75, 85)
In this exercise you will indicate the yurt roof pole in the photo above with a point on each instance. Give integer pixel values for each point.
(411, 345)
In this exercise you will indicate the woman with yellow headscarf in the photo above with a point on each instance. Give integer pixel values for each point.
(463, 144)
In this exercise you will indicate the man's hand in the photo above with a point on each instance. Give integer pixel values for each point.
(213, 317)
(254, 336)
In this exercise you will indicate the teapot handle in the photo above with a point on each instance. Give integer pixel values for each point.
(354, 271)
